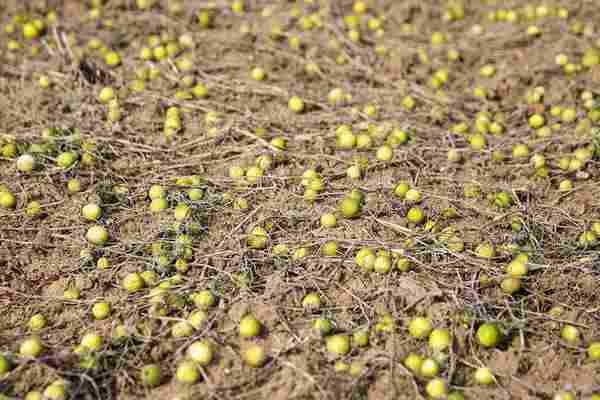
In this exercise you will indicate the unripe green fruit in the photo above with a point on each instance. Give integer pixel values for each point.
(413, 195)
(401, 189)
(510, 285)
(536, 121)
(37, 322)
(258, 74)
(106, 94)
(150, 375)
(4, 365)
(563, 395)
(182, 212)
(197, 318)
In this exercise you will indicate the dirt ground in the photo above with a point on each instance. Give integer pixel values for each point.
(43, 254)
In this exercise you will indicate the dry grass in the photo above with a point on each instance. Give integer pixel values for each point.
(41, 256)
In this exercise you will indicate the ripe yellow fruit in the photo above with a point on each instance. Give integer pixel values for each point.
(419, 327)
(249, 327)
(133, 282)
(30, 31)
(200, 352)
(91, 212)
(484, 376)
(440, 339)
(31, 347)
(106, 94)
(26, 163)
(112, 59)
(255, 355)
(258, 74)
(338, 344)
(296, 104)
(187, 372)
(92, 341)
(437, 388)
(97, 235)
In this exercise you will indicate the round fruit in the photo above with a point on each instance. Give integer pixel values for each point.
(26, 163)
(31, 347)
(97, 235)
(133, 282)
(429, 368)
(91, 212)
(4, 365)
(419, 327)
(570, 334)
(7, 200)
(440, 339)
(488, 335)
(349, 207)
(92, 341)
(296, 104)
(37, 322)
(200, 352)
(187, 372)
(249, 327)
(255, 355)
(338, 344)
(593, 351)
(101, 310)
(484, 376)
(437, 388)
(414, 362)
(150, 375)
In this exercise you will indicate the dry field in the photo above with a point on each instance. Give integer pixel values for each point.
(311, 199)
